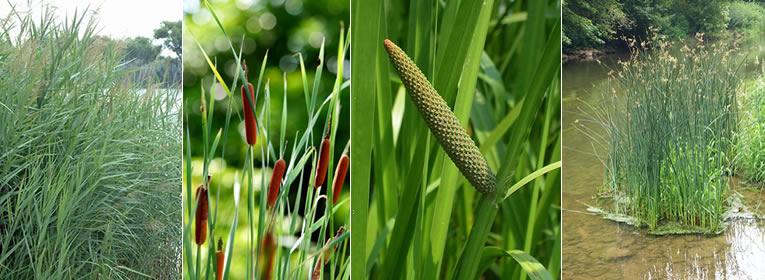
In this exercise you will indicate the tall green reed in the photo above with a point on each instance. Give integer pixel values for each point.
(496, 65)
(88, 156)
(750, 143)
(279, 235)
(670, 118)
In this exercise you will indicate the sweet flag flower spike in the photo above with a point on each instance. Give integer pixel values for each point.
(442, 122)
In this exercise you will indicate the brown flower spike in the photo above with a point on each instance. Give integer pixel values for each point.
(276, 180)
(321, 169)
(269, 250)
(339, 179)
(201, 215)
(250, 123)
(442, 122)
(220, 259)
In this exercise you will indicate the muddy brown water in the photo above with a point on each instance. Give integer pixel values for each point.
(595, 248)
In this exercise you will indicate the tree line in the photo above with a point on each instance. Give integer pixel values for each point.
(146, 61)
(599, 24)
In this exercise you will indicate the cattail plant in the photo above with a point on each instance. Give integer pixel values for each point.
(261, 222)
(276, 180)
(321, 167)
(442, 122)
(220, 260)
(200, 219)
(250, 123)
(339, 178)
(324, 254)
(269, 251)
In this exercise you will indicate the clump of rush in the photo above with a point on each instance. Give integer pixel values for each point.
(670, 119)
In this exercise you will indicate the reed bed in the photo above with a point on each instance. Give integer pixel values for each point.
(281, 223)
(750, 144)
(670, 119)
(89, 156)
(455, 107)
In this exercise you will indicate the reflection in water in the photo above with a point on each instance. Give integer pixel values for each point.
(738, 254)
(595, 248)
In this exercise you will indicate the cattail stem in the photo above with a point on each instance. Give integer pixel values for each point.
(276, 180)
(442, 122)
(201, 215)
(321, 168)
(250, 123)
(324, 255)
(339, 179)
(220, 259)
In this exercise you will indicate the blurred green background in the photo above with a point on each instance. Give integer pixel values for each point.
(283, 28)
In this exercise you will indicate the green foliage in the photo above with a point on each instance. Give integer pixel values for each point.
(300, 27)
(169, 32)
(671, 119)
(89, 159)
(750, 146)
(655, 17)
(302, 221)
(748, 17)
(141, 50)
(709, 17)
(589, 24)
(496, 64)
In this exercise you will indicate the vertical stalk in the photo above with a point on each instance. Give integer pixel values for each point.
(467, 266)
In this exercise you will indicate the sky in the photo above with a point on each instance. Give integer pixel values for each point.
(116, 18)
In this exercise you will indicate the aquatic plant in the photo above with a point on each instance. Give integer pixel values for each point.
(285, 204)
(201, 215)
(750, 144)
(276, 180)
(442, 122)
(339, 180)
(670, 118)
(444, 141)
(88, 155)
(220, 260)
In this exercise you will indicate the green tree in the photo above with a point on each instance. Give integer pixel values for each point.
(705, 16)
(141, 50)
(169, 33)
(591, 23)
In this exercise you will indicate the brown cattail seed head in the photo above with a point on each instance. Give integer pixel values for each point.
(339, 179)
(250, 124)
(219, 260)
(321, 168)
(201, 215)
(442, 122)
(276, 179)
(269, 249)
